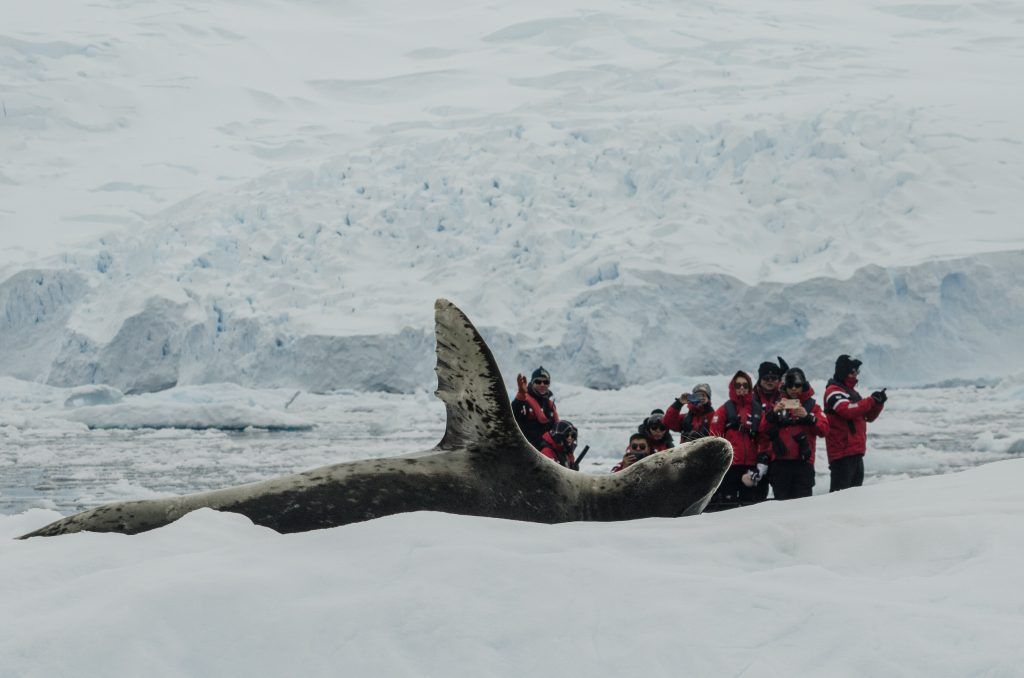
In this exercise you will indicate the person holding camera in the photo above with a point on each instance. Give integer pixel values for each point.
(697, 420)
(766, 394)
(534, 407)
(799, 421)
(746, 480)
(637, 450)
(848, 414)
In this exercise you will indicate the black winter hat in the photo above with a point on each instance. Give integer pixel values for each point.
(844, 365)
(767, 368)
(540, 373)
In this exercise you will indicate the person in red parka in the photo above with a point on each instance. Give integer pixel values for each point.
(800, 422)
(744, 482)
(653, 428)
(848, 416)
(534, 406)
(637, 450)
(559, 444)
(766, 394)
(694, 424)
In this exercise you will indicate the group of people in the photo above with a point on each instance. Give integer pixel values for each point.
(773, 425)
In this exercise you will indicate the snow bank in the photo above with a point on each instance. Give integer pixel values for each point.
(904, 579)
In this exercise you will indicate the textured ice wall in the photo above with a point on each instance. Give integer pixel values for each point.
(940, 320)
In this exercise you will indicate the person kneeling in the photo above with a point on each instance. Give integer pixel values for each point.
(800, 422)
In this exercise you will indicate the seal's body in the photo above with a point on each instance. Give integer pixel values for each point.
(483, 466)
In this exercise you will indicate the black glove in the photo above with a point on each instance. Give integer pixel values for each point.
(879, 396)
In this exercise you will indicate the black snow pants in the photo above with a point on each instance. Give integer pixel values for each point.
(791, 479)
(847, 472)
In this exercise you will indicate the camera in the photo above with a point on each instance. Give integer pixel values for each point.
(694, 398)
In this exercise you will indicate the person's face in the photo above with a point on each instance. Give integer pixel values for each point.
(770, 382)
(540, 385)
(703, 397)
(639, 446)
(794, 390)
(855, 372)
(741, 386)
(657, 430)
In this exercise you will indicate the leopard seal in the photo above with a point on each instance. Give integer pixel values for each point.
(483, 466)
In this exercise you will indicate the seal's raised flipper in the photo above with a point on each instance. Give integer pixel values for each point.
(479, 416)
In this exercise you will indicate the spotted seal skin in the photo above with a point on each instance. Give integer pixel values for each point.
(483, 466)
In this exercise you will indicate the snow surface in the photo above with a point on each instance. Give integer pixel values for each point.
(909, 578)
(206, 208)
(273, 194)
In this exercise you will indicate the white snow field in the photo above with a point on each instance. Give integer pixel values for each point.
(274, 193)
(909, 578)
(223, 226)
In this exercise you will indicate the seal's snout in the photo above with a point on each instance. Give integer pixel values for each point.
(722, 448)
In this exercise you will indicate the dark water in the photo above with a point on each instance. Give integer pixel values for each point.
(922, 432)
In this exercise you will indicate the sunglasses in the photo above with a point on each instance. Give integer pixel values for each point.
(741, 386)
(797, 385)
(541, 382)
(770, 377)
(638, 448)
(656, 427)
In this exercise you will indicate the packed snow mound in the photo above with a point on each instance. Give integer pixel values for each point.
(907, 578)
(221, 406)
(97, 394)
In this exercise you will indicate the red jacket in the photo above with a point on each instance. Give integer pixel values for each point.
(814, 426)
(762, 404)
(694, 424)
(848, 417)
(556, 453)
(535, 414)
(736, 429)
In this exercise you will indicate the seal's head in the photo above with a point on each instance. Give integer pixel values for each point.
(680, 481)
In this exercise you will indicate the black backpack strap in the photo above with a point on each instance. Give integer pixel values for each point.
(732, 416)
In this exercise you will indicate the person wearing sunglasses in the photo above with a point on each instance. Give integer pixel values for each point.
(534, 407)
(638, 449)
(699, 410)
(848, 414)
(559, 444)
(653, 428)
(766, 393)
(800, 422)
(732, 421)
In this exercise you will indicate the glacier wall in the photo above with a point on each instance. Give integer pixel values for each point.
(917, 324)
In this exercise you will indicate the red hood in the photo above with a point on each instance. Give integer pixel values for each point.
(742, 399)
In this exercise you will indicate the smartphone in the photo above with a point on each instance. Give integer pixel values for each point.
(790, 403)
